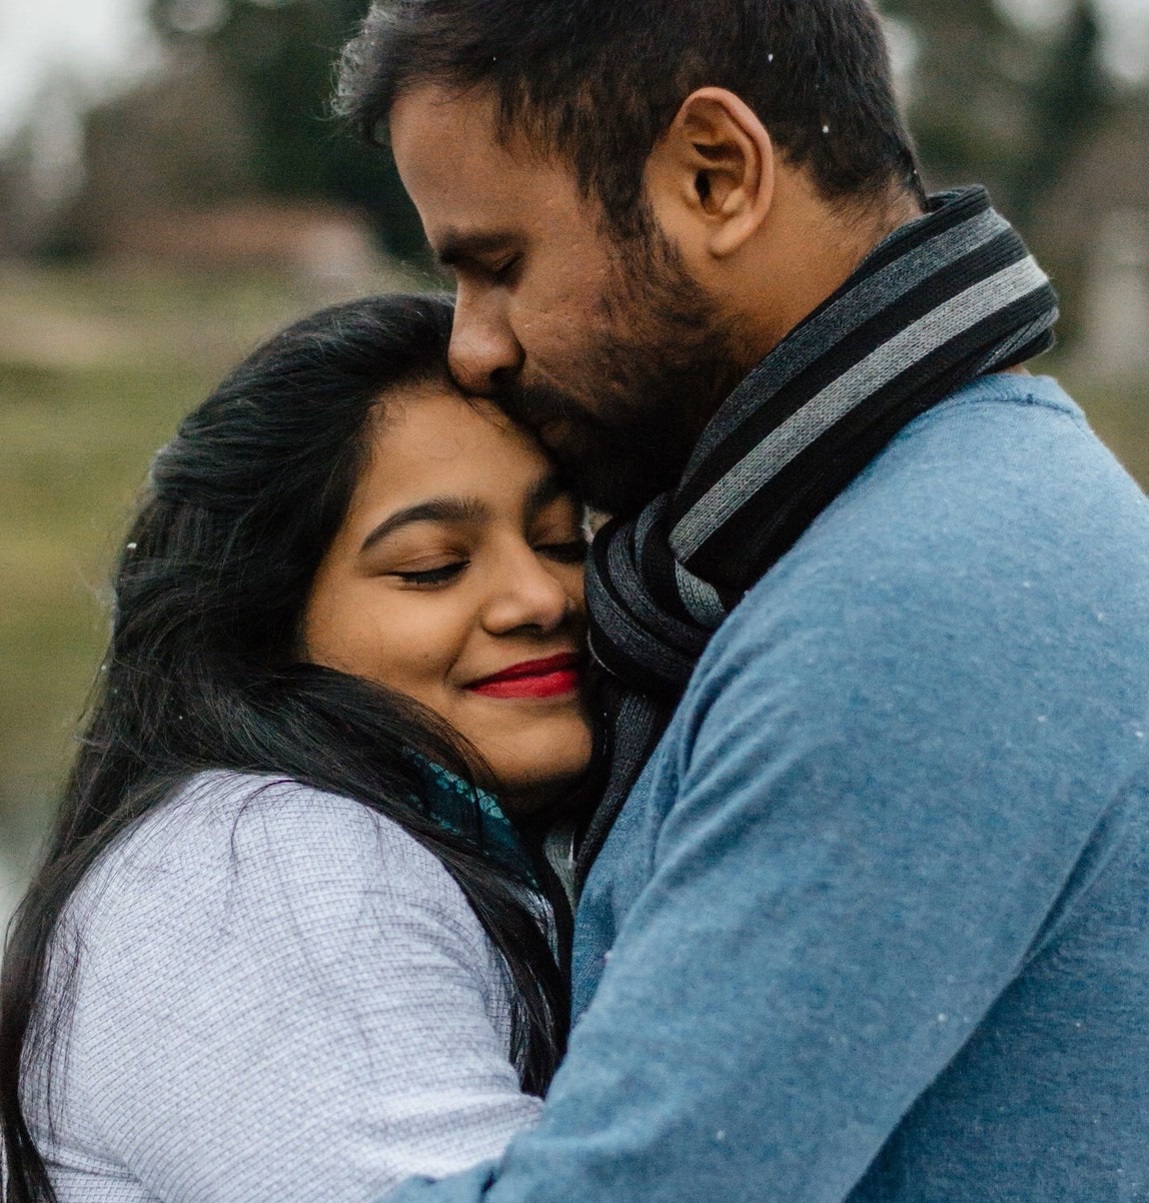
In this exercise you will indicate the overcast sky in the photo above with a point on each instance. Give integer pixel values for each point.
(101, 41)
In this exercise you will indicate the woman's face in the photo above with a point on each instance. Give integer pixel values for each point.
(457, 579)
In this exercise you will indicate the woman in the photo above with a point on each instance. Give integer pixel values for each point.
(286, 943)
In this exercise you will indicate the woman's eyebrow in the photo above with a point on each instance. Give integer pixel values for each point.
(441, 509)
(549, 488)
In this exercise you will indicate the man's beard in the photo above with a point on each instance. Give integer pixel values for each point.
(653, 385)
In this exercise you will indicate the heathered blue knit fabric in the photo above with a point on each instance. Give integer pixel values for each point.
(874, 923)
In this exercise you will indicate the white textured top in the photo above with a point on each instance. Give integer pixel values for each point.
(281, 996)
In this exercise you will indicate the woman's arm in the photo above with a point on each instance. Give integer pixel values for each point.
(283, 996)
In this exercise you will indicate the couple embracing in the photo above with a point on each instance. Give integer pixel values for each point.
(849, 792)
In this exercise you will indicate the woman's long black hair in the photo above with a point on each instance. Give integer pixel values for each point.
(203, 670)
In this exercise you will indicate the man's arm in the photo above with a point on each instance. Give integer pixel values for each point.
(856, 833)
(851, 873)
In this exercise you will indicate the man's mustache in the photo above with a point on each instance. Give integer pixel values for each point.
(536, 406)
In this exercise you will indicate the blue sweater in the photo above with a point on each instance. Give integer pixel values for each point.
(874, 923)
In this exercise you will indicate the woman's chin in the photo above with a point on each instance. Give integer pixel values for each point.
(538, 769)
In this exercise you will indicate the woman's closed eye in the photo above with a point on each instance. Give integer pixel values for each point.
(441, 574)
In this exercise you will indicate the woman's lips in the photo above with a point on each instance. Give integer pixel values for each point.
(546, 678)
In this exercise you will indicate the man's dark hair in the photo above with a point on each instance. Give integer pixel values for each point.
(600, 81)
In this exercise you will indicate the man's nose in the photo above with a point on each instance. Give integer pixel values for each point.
(483, 350)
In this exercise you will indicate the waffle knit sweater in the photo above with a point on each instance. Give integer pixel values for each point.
(281, 996)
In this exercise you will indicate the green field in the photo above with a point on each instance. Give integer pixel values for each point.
(95, 368)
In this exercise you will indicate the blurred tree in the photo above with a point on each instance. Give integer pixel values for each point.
(999, 102)
(963, 92)
(277, 57)
(1015, 106)
(1069, 100)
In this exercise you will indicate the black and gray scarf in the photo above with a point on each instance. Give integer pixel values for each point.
(942, 300)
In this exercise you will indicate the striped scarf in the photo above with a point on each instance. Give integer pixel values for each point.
(942, 300)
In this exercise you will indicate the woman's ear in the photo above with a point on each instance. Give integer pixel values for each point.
(710, 179)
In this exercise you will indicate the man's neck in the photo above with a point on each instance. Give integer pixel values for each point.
(810, 249)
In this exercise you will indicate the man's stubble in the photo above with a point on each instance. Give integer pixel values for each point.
(659, 363)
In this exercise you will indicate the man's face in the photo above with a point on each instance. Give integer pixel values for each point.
(603, 345)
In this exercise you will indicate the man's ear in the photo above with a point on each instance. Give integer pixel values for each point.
(711, 177)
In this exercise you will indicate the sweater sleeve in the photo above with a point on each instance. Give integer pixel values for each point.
(283, 996)
(777, 995)
(867, 815)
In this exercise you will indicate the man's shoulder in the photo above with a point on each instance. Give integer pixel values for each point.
(1014, 388)
(1002, 443)
(999, 439)
(994, 544)
(1001, 482)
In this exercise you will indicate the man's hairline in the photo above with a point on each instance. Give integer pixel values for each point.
(511, 127)
(511, 133)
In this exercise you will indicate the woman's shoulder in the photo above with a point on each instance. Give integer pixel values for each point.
(232, 850)
(233, 813)
(291, 951)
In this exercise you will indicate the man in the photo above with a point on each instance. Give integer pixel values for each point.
(871, 924)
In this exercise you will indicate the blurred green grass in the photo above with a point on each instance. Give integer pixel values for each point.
(1120, 415)
(96, 368)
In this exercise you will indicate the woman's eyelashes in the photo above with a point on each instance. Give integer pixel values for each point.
(442, 574)
(569, 549)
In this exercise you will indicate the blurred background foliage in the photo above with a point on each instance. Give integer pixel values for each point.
(275, 62)
(150, 239)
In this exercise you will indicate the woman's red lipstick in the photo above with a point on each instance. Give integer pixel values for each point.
(547, 678)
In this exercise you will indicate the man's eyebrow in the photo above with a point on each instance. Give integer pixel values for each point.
(441, 509)
(456, 247)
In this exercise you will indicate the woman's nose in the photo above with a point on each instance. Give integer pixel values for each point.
(483, 351)
(528, 594)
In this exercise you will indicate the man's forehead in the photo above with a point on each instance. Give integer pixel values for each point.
(448, 157)
(437, 106)
(464, 178)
